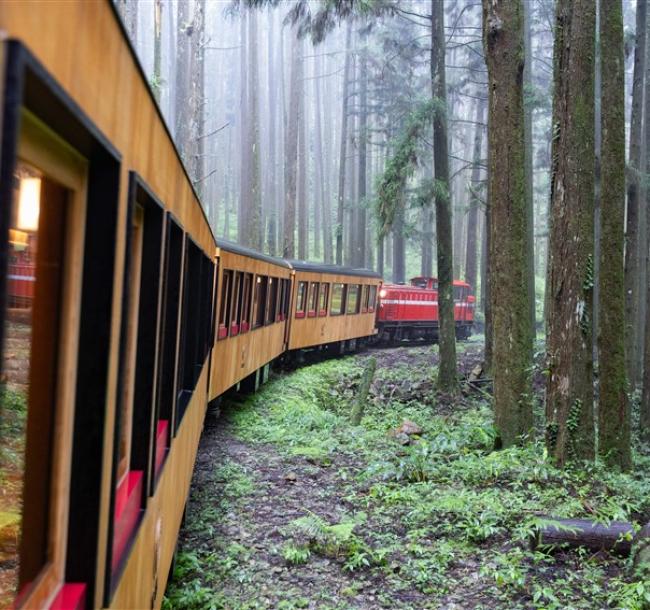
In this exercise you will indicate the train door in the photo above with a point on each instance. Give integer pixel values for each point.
(38, 384)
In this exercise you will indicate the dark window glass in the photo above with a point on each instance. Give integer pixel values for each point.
(272, 304)
(259, 301)
(338, 299)
(372, 298)
(324, 293)
(301, 297)
(247, 288)
(313, 297)
(353, 298)
(226, 296)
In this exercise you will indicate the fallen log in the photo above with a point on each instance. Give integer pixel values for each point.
(561, 533)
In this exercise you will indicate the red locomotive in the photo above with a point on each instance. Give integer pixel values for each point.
(411, 311)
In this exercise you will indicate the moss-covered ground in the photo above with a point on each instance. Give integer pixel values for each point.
(292, 507)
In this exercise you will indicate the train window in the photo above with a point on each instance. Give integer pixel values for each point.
(313, 299)
(259, 301)
(301, 298)
(233, 329)
(225, 305)
(286, 298)
(364, 298)
(272, 304)
(190, 358)
(278, 300)
(353, 298)
(171, 295)
(322, 304)
(37, 391)
(338, 299)
(141, 436)
(372, 298)
(247, 289)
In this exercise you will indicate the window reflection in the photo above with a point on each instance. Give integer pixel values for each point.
(28, 382)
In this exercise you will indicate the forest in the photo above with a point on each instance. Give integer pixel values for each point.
(505, 143)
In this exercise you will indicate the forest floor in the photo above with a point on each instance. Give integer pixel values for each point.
(293, 507)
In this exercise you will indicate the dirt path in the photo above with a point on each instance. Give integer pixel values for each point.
(292, 508)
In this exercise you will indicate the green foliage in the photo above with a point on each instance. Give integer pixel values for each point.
(401, 166)
(444, 514)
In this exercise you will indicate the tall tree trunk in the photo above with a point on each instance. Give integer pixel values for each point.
(399, 248)
(244, 137)
(272, 180)
(156, 83)
(634, 195)
(322, 169)
(644, 423)
(303, 207)
(291, 148)
(528, 164)
(613, 409)
(253, 228)
(486, 283)
(359, 241)
(509, 228)
(197, 98)
(569, 390)
(340, 206)
(474, 201)
(447, 381)
(182, 84)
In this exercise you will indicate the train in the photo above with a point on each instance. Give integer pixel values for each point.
(124, 317)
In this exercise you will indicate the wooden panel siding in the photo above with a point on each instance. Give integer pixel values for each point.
(308, 331)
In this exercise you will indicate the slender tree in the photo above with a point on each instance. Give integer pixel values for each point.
(253, 230)
(156, 81)
(340, 205)
(474, 200)
(569, 390)
(613, 409)
(291, 148)
(447, 334)
(634, 195)
(503, 34)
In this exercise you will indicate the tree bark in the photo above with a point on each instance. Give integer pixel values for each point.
(253, 229)
(399, 248)
(569, 390)
(616, 537)
(272, 180)
(244, 137)
(613, 412)
(340, 207)
(303, 219)
(634, 195)
(291, 149)
(503, 37)
(359, 241)
(362, 393)
(156, 83)
(528, 164)
(447, 381)
(474, 202)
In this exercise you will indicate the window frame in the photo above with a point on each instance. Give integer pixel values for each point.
(322, 304)
(372, 298)
(301, 298)
(313, 294)
(343, 305)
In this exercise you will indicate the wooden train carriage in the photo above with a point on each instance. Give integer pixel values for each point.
(105, 361)
(251, 312)
(331, 304)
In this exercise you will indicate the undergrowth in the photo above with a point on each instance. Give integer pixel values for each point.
(443, 520)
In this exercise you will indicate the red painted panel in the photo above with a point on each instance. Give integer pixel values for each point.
(70, 597)
(244, 327)
(234, 329)
(222, 333)
(127, 510)
(161, 443)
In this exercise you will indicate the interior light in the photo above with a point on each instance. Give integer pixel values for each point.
(29, 204)
(18, 238)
